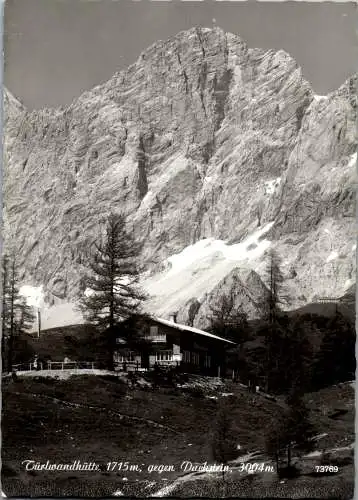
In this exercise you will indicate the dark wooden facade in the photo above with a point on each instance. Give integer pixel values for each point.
(195, 351)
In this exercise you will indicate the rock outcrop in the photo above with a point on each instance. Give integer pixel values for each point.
(245, 287)
(202, 137)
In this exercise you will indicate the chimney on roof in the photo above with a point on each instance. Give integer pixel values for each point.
(173, 317)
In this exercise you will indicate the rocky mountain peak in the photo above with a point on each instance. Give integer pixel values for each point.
(11, 103)
(201, 138)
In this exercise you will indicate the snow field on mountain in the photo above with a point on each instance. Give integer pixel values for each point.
(34, 295)
(195, 271)
(248, 249)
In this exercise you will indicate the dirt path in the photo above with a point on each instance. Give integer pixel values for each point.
(192, 476)
(234, 465)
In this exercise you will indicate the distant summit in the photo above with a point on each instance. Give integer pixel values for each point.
(202, 137)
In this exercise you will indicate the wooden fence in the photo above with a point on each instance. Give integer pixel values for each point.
(70, 365)
(28, 367)
(54, 365)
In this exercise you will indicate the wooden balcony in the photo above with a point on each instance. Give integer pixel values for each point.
(156, 338)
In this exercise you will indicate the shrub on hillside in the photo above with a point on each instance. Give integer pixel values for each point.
(195, 392)
(224, 442)
(291, 432)
(162, 376)
(288, 472)
(328, 458)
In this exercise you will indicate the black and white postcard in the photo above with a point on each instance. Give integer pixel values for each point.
(178, 249)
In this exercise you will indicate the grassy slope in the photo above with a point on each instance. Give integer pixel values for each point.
(75, 341)
(340, 433)
(327, 310)
(41, 429)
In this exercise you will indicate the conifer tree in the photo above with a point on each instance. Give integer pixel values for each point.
(276, 296)
(335, 361)
(4, 322)
(288, 350)
(17, 316)
(229, 320)
(112, 282)
(271, 313)
(296, 357)
(291, 431)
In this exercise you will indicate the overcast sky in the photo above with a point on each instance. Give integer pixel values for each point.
(56, 49)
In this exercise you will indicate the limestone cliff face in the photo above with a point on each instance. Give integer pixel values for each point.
(202, 137)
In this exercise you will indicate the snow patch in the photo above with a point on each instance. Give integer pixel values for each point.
(249, 249)
(319, 436)
(348, 283)
(209, 179)
(33, 294)
(64, 314)
(190, 254)
(342, 448)
(194, 271)
(332, 256)
(313, 454)
(320, 97)
(122, 280)
(353, 160)
(272, 185)
(246, 458)
(147, 199)
(237, 76)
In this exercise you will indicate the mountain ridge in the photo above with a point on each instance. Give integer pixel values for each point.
(201, 137)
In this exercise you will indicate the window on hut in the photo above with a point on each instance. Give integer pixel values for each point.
(195, 358)
(153, 331)
(129, 357)
(186, 357)
(164, 356)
